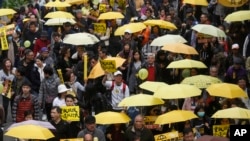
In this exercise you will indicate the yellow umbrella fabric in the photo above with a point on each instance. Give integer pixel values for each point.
(59, 21)
(179, 48)
(161, 24)
(111, 118)
(75, 1)
(201, 81)
(196, 2)
(118, 60)
(226, 90)
(186, 63)
(57, 3)
(238, 16)
(235, 3)
(96, 71)
(110, 15)
(209, 30)
(59, 14)
(4, 12)
(234, 113)
(177, 91)
(140, 100)
(80, 39)
(167, 39)
(175, 116)
(152, 86)
(30, 132)
(132, 27)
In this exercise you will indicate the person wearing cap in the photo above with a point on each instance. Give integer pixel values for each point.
(118, 89)
(43, 41)
(60, 99)
(45, 56)
(127, 39)
(234, 54)
(23, 102)
(90, 128)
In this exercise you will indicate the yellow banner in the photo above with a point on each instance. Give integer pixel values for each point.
(108, 65)
(75, 139)
(149, 119)
(102, 8)
(4, 41)
(220, 130)
(9, 29)
(112, 2)
(59, 71)
(167, 136)
(70, 113)
(100, 27)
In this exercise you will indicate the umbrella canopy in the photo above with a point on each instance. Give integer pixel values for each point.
(179, 48)
(118, 60)
(30, 132)
(59, 14)
(187, 63)
(235, 3)
(209, 30)
(160, 23)
(75, 1)
(140, 100)
(4, 12)
(167, 39)
(80, 39)
(234, 113)
(177, 91)
(196, 2)
(201, 81)
(175, 116)
(96, 71)
(226, 90)
(238, 16)
(110, 15)
(152, 86)
(111, 118)
(211, 138)
(131, 27)
(57, 3)
(59, 21)
(33, 122)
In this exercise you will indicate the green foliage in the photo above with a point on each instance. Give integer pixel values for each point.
(14, 4)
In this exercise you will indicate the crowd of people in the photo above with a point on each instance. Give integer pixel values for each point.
(34, 90)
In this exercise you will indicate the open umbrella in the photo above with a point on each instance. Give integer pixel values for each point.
(241, 15)
(152, 86)
(160, 23)
(132, 27)
(175, 116)
(186, 63)
(57, 3)
(111, 118)
(234, 113)
(33, 122)
(179, 48)
(59, 14)
(140, 100)
(209, 30)
(211, 138)
(201, 81)
(232, 3)
(118, 60)
(75, 1)
(167, 39)
(226, 90)
(80, 39)
(110, 15)
(196, 2)
(4, 12)
(59, 21)
(177, 91)
(30, 132)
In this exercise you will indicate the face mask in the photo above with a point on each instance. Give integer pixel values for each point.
(201, 114)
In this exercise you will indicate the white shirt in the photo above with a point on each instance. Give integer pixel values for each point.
(59, 102)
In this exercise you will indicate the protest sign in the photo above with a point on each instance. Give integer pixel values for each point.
(70, 113)
(100, 27)
(169, 136)
(3, 38)
(108, 65)
(220, 130)
(102, 8)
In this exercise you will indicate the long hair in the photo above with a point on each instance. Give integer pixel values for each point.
(5, 68)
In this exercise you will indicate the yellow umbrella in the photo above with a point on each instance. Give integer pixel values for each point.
(80, 39)
(59, 21)
(238, 16)
(196, 2)
(232, 3)
(179, 48)
(175, 116)
(152, 86)
(131, 27)
(110, 15)
(4, 12)
(167, 39)
(111, 118)
(177, 91)
(96, 71)
(201, 81)
(59, 14)
(226, 90)
(118, 60)
(75, 1)
(140, 100)
(30, 132)
(186, 63)
(234, 113)
(209, 30)
(57, 3)
(160, 23)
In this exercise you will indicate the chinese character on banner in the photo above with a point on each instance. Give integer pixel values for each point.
(108, 65)
(100, 27)
(102, 8)
(4, 41)
(70, 113)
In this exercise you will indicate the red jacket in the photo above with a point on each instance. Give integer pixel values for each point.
(39, 44)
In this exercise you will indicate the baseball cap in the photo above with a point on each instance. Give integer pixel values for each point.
(235, 46)
(127, 31)
(44, 49)
(117, 73)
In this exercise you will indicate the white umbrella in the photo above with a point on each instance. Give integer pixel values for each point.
(80, 39)
(165, 39)
(59, 21)
(209, 30)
